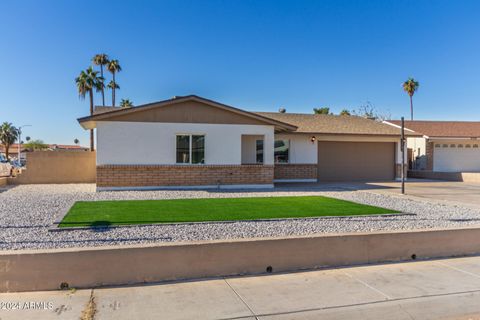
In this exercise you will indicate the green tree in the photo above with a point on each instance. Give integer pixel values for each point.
(36, 145)
(126, 103)
(101, 60)
(86, 82)
(324, 110)
(114, 67)
(410, 87)
(76, 141)
(345, 112)
(8, 135)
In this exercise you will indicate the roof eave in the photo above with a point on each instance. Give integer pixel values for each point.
(87, 122)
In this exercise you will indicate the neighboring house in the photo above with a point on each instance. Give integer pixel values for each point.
(192, 141)
(446, 146)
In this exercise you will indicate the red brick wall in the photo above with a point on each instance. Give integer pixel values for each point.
(295, 171)
(182, 175)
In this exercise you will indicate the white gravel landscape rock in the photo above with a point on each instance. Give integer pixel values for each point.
(27, 213)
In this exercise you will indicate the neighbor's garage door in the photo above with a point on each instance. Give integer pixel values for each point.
(355, 161)
(456, 157)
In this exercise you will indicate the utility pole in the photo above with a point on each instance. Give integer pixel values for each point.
(402, 148)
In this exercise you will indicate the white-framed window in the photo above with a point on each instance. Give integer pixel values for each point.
(282, 151)
(460, 145)
(453, 145)
(190, 149)
(445, 145)
(468, 146)
(475, 145)
(437, 145)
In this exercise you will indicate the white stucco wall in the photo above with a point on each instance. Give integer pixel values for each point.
(302, 150)
(419, 147)
(155, 143)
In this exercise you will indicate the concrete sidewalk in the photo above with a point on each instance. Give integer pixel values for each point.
(437, 289)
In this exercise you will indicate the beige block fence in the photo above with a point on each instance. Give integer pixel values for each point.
(92, 267)
(58, 167)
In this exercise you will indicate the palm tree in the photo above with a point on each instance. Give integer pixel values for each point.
(411, 86)
(101, 60)
(8, 135)
(114, 67)
(88, 81)
(113, 86)
(76, 141)
(126, 103)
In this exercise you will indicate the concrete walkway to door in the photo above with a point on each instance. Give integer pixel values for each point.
(436, 289)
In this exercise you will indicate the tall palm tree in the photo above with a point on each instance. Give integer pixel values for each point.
(126, 103)
(8, 135)
(114, 67)
(88, 81)
(113, 86)
(411, 86)
(101, 60)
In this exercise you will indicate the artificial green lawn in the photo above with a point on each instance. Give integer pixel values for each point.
(97, 213)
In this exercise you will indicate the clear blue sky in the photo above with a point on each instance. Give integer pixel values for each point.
(257, 55)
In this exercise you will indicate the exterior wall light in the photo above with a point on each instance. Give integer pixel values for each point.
(312, 139)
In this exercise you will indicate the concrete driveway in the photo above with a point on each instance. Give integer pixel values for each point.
(437, 289)
(465, 194)
(457, 192)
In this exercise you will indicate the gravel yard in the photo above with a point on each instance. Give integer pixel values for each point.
(28, 211)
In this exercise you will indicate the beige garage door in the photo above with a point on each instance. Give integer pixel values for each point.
(356, 161)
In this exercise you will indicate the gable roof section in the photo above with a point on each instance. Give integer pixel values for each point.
(443, 129)
(152, 112)
(333, 124)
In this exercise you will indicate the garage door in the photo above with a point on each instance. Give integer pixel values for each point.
(356, 161)
(456, 157)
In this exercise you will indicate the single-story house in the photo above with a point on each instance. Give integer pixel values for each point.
(191, 141)
(446, 146)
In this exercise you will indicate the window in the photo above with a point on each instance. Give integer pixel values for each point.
(259, 149)
(460, 145)
(475, 145)
(281, 151)
(468, 146)
(437, 145)
(183, 149)
(453, 146)
(445, 145)
(190, 149)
